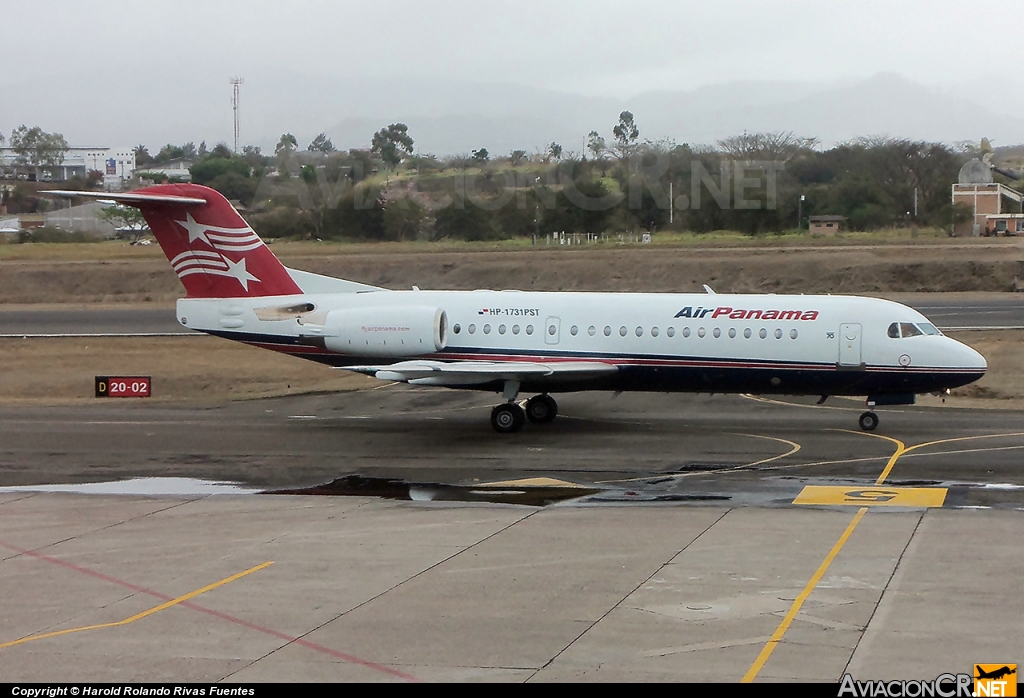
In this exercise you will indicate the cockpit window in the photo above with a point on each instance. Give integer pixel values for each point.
(909, 329)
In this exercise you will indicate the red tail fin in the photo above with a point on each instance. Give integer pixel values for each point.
(211, 248)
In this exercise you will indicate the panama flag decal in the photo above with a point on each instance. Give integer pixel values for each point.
(220, 240)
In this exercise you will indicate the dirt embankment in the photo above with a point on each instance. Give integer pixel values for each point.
(852, 269)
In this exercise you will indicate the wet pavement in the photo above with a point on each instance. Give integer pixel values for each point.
(638, 538)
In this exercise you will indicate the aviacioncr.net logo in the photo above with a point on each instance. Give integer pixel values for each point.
(943, 686)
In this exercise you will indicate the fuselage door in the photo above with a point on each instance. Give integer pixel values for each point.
(551, 328)
(849, 345)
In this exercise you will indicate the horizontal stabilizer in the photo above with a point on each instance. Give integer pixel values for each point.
(128, 199)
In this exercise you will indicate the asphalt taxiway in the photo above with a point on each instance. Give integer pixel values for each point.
(682, 537)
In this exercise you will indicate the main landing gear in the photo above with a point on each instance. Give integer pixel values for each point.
(510, 416)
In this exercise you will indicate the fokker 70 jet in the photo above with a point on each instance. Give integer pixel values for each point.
(541, 343)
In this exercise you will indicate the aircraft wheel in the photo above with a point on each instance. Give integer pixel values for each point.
(507, 418)
(541, 409)
(868, 421)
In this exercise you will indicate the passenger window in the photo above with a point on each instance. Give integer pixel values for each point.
(793, 334)
(639, 331)
(574, 330)
(717, 333)
(591, 330)
(732, 333)
(894, 330)
(623, 331)
(501, 329)
(686, 332)
(763, 333)
(700, 332)
(607, 331)
(457, 328)
(654, 331)
(472, 329)
(487, 329)
(552, 329)
(529, 329)
(515, 329)
(747, 333)
(671, 331)
(907, 329)
(778, 334)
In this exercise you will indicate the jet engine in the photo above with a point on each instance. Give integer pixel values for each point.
(386, 331)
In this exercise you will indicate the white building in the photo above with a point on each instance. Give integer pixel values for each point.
(176, 170)
(116, 164)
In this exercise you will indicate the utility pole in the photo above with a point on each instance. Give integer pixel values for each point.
(235, 82)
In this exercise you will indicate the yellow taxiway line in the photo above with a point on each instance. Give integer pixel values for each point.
(901, 449)
(139, 616)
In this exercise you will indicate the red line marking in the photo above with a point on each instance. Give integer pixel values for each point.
(352, 659)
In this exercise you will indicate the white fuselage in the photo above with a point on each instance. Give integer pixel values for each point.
(697, 342)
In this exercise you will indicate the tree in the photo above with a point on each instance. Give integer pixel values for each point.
(37, 148)
(596, 144)
(186, 151)
(221, 150)
(554, 151)
(127, 220)
(321, 144)
(93, 179)
(516, 157)
(626, 133)
(286, 146)
(209, 168)
(392, 144)
(481, 156)
(779, 146)
(142, 156)
(252, 155)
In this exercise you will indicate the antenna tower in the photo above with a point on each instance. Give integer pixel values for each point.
(235, 82)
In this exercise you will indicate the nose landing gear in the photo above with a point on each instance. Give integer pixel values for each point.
(868, 421)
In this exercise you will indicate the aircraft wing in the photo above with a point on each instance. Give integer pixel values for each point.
(479, 372)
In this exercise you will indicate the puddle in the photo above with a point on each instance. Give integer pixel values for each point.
(637, 496)
(143, 486)
(360, 486)
(701, 466)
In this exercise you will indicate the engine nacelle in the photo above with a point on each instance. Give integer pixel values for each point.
(387, 331)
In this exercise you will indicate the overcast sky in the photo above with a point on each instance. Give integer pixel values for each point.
(164, 52)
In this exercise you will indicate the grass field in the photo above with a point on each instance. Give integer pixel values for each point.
(115, 249)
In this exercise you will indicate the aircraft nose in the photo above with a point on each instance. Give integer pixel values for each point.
(970, 359)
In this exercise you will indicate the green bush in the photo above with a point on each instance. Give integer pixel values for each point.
(51, 234)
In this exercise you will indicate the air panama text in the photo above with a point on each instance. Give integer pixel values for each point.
(741, 314)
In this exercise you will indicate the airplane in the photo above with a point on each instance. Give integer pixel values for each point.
(996, 673)
(540, 343)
